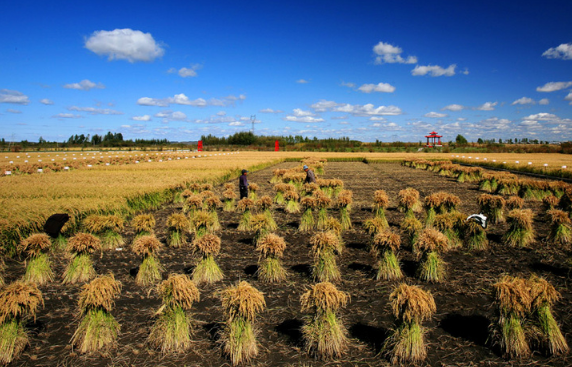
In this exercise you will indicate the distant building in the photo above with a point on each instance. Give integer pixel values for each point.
(433, 140)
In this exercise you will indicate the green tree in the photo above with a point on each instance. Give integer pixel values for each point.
(461, 140)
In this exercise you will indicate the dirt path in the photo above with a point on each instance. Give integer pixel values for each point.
(456, 335)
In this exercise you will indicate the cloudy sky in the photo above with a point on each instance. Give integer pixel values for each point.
(387, 70)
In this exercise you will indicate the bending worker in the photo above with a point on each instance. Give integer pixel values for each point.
(310, 176)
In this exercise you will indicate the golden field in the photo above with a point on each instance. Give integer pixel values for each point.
(27, 200)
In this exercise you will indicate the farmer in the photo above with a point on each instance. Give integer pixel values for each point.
(310, 176)
(243, 184)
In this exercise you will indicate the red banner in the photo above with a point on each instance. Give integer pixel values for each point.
(200, 146)
(276, 146)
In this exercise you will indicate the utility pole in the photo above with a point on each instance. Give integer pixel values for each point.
(252, 119)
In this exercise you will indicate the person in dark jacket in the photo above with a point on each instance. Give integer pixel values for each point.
(243, 184)
(310, 176)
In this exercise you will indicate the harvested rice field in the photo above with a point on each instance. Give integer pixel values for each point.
(458, 333)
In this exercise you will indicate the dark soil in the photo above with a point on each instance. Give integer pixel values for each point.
(457, 334)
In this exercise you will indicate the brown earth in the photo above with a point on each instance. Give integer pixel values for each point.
(457, 334)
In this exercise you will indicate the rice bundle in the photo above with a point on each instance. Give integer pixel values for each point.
(271, 248)
(325, 247)
(324, 334)
(411, 306)
(380, 203)
(432, 202)
(172, 330)
(264, 205)
(245, 206)
(344, 203)
(492, 206)
(261, 226)
(229, 200)
(375, 225)
(428, 246)
(195, 187)
(409, 201)
(322, 203)
(543, 296)
(252, 189)
(514, 202)
(80, 268)
(241, 303)
(211, 204)
(475, 236)
(19, 302)
(177, 227)
(277, 175)
(150, 269)
(36, 248)
(550, 202)
(280, 189)
(520, 232)
(202, 223)
(451, 225)
(292, 205)
(513, 300)
(193, 204)
(207, 270)
(307, 222)
(143, 224)
(98, 329)
(206, 187)
(107, 228)
(412, 228)
(384, 246)
(560, 228)
(310, 188)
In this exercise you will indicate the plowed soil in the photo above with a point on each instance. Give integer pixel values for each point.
(457, 335)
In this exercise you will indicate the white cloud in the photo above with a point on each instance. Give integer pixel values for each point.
(377, 118)
(13, 111)
(270, 110)
(356, 110)
(84, 85)
(141, 118)
(542, 116)
(435, 115)
(67, 116)
(236, 123)
(568, 97)
(182, 99)
(349, 85)
(387, 53)
(433, 70)
(302, 81)
(368, 110)
(300, 113)
(553, 86)
(487, 106)
(95, 111)
(381, 87)
(124, 44)
(46, 101)
(323, 105)
(564, 51)
(453, 107)
(523, 100)
(221, 113)
(13, 96)
(303, 119)
(544, 101)
(186, 72)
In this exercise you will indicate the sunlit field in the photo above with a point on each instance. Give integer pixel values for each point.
(27, 200)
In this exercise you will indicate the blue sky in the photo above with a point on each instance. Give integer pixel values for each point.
(387, 70)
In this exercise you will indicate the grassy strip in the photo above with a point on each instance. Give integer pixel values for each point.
(12, 234)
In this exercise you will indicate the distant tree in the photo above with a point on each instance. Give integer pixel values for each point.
(500, 141)
(461, 140)
(480, 141)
